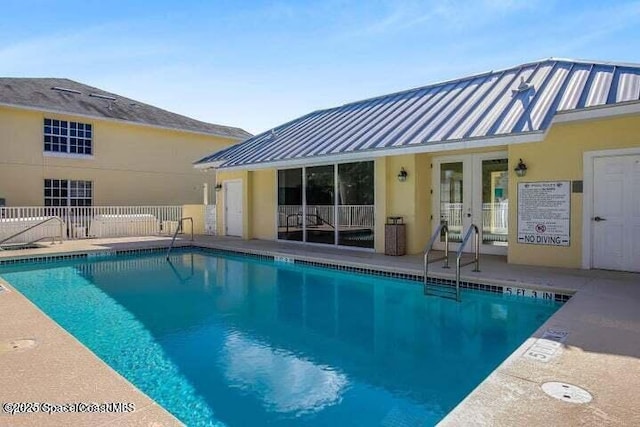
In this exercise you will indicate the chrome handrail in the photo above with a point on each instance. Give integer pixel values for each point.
(62, 224)
(429, 247)
(180, 221)
(476, 257)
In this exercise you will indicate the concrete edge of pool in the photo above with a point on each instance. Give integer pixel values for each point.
(56, 369)
(600, 323)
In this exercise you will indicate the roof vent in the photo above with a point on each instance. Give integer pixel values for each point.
(523, 86)
(64, 89)
(274, 135)
(107, 97)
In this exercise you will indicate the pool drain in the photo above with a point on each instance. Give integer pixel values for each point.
(567, 392)
(16, 345)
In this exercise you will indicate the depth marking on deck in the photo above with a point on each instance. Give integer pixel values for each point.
(528, 293)
(547, 347)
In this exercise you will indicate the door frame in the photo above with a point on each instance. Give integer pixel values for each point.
(335, 205)
(225, 185)
(588, 187)
(470, 162)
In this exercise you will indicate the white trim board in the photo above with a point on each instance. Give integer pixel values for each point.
(64, 155)
(597, 112)
(500, 141)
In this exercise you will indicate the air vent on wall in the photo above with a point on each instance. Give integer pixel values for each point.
(64, 89)
(107, 97)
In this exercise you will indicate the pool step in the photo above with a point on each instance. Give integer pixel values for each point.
(442, 290)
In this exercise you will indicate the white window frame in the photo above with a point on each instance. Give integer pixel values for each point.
(72, 186)
(81, 132)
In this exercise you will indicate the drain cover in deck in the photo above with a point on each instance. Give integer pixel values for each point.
(567, 392)
(15, 345)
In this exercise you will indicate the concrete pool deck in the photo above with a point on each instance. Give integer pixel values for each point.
(599, 350)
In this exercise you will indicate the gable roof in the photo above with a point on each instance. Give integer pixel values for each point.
(517, 102)
(71, 97)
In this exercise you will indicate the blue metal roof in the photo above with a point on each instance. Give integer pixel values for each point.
(517, 101)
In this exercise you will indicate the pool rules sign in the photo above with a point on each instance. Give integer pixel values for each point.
(544, 212)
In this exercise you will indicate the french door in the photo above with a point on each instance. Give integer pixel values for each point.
(472, 189)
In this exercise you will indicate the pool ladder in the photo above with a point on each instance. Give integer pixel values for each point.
(21, 232)
(446, 291)
(178, 229)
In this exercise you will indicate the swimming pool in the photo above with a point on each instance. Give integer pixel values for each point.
(225, 339)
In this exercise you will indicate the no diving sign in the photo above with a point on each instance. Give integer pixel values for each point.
(544, 213)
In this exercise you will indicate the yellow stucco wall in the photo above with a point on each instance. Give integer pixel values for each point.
(259, 204)
(263, 204)
(131, 164)
(196, 213)
(409, 199)
(560, 157)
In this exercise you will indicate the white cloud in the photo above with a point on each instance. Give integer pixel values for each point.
(71, 53)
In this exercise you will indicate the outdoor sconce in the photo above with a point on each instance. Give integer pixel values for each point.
(521, 169)
(402, 175)
(218, 187)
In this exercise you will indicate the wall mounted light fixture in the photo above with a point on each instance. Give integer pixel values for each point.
(521, 169)
(402, 175)
(218, 187)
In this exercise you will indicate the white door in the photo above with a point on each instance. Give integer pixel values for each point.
(233, 208)
(472, 189)
(616, 213)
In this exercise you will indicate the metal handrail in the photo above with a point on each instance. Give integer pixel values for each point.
(318, 218)
(62, 224)
(180, 221)
(429, 248)
(177, 273)
(476, 257)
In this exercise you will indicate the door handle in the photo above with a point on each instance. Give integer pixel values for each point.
(598, 219)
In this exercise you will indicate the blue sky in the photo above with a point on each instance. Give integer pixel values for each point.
(258, 64)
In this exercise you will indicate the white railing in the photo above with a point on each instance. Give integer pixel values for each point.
(495, 216)
(348, 215)
(210, 216)
(92, 221)
(452, 214)
(356, 215)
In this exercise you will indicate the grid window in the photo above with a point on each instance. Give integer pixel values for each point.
(64, 192)
(61, 136)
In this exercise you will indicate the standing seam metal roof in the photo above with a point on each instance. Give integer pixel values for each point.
(515, 101)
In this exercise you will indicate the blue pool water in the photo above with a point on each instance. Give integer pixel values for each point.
(229, 340)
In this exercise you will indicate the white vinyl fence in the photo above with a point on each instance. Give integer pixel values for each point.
(495, 216)
(348, 215)
(89, 221)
